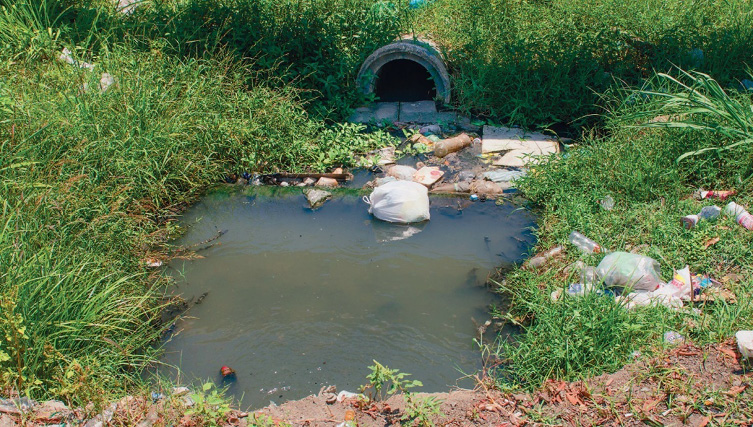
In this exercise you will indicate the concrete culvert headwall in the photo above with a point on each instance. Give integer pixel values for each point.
(406, 70)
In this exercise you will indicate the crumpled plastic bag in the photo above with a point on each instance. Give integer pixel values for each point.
(635, 271)
(400, 201)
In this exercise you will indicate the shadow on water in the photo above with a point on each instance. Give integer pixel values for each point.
(296, 299)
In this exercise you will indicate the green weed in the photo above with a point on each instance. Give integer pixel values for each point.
(385, 382)
(696, 101)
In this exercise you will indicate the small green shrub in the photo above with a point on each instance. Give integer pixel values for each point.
(420, 410)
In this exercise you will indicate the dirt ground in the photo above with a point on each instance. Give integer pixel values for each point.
(689, 385)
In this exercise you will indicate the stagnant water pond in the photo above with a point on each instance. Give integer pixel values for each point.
(296, 299)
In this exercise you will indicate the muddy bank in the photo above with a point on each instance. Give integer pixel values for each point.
(687, 385)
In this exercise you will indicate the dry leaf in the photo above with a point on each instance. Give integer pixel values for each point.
(572, 398)
(704, 421)
(734, 391)
(650, 404)
(710, 242)
(729, 352)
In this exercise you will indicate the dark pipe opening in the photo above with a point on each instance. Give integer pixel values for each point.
(404, 80)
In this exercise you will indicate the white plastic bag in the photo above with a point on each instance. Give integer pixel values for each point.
(635, 271)
(400, 201)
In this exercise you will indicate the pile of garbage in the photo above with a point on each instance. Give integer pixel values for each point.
(634, 279)
(462, 165)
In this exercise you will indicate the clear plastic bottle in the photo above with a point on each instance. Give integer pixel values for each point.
(584, 243)
(742, 216)
(708, 213)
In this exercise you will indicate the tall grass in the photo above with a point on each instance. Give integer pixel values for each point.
(696, 101)
(314, 45)
(90, 182)
(545, 62)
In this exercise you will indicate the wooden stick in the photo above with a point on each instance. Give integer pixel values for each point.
(338, 176)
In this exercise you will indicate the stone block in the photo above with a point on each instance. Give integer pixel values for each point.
(376, 113)
(419, 112)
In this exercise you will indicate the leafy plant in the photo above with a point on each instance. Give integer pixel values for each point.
(421, 410)
(386, 382)
(209, 404)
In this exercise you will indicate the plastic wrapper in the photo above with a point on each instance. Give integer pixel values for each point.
(627, 270)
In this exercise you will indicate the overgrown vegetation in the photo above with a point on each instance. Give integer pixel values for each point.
(539, 63)
(90, 180)
(641, 164)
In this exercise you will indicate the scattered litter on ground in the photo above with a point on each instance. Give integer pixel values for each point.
(503, 175)
(343, 395)
(542, 259)
(628, 270)
(105, 82)
(227, 372)
(673, 338)
(428, 175)
(451, 145)
(701, 194)
(586, 273)
(486, 188)
(153, 262)
(745, 343)
(67, 57)
(741, 215)
(607, 203)
(402, 172)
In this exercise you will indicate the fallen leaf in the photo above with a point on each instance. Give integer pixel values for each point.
(729, 352)
(609, 382)
(650, 404)
(710, 242)
(734, 391)
(572, 398)
(704, 421)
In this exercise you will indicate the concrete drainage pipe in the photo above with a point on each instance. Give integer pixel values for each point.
(422, 52)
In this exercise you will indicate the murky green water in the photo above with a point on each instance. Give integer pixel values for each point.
(299, 299)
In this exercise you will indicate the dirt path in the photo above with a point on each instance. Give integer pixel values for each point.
(689, 385)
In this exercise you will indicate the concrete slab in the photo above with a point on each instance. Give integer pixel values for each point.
(504, 139)
(523, 157)
(376, 113)
(419, 112)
